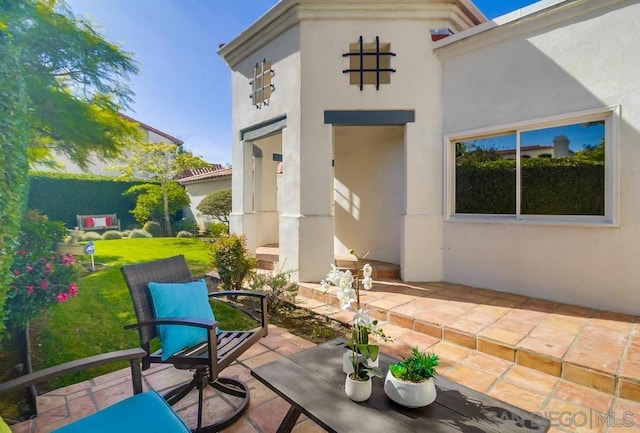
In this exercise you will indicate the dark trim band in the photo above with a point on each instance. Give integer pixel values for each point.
(264, 129)
(369, 117)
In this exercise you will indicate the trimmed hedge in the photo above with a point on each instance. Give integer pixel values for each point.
(550, 186)
(13, 157)
(62, 196)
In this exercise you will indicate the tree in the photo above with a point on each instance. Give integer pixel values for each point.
(150, 203)
(217, 205)
(62, 87)
(160, 162)
(74, 81)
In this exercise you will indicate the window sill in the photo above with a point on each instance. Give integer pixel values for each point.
(571, 221)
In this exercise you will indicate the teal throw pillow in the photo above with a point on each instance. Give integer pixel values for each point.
(172, 300)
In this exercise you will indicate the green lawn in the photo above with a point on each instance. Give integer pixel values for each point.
(93, 321)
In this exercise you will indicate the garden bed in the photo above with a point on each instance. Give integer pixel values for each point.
(307, 324)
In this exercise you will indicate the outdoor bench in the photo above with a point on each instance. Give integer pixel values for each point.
(98, 222)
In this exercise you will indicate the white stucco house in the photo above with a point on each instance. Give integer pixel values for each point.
(200, 183)
(97, 166)
(387, 116)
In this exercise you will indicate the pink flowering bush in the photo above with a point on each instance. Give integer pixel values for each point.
(41, 276)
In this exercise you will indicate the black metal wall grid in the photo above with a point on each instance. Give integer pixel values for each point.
(261, 86)
(363, 53)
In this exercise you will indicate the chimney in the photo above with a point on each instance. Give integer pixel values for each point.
(437, 34)
(560, 146)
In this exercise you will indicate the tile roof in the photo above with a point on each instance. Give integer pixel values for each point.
(173, 139)
(216, 172)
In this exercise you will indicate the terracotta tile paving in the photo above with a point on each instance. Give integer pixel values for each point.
(601, 358)
(567, 323)
(530, 379)
(504, 303)
(606, 333)
(598, 361)
(539, 362)
(543, 346)
(630, 370)
(612, 348)
(467, 325)
(474, 379)
(487, 363)
(583, 396)
(498, 334)
(553, 335)
(573, 417)
(518, 396)
(411, 339)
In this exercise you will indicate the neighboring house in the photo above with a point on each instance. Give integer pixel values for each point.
(558, 149)
(365, 103)
(200, 183)
(98, 167)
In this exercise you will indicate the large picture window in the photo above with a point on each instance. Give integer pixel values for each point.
(558, 167)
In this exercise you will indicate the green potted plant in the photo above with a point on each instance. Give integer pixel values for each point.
(409, 382)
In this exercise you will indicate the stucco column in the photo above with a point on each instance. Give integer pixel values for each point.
(306, 223)
(422, 225)
(242, 218)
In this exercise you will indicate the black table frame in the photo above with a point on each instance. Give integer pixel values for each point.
(312, 382)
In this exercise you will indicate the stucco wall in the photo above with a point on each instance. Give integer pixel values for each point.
(199, 190)
(576, 58)
(308, 66)
(97, 166)
(369, 190)
(414, 86)
(283, 53)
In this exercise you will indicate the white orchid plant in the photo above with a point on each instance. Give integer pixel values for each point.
(364, 325)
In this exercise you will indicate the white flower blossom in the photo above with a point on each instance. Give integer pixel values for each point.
(366, 271)
(325, 285)
(362, 318)
(367, 283)
(346, 280)
(334, 275)
(346, 296)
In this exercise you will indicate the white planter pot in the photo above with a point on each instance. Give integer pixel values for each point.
(357, 390)
(410, 394)
(347, 361)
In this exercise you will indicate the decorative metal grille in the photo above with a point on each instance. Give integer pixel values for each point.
(261, 86)
(369, 63)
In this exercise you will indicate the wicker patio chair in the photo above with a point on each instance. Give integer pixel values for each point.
(144, 412)
(207, 359)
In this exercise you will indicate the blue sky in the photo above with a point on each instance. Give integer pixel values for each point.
(184, 87)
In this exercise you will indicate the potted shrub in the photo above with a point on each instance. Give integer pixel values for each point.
(410, 382)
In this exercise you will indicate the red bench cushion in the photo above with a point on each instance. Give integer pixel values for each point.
(88, 222)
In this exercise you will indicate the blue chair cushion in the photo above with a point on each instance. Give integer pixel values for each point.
(143, 413)
(172, 300)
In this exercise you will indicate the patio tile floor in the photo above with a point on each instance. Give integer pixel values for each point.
(503, 344)
(590, 347)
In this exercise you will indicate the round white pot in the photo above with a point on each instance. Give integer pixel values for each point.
(410, 394)
(357, 390)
